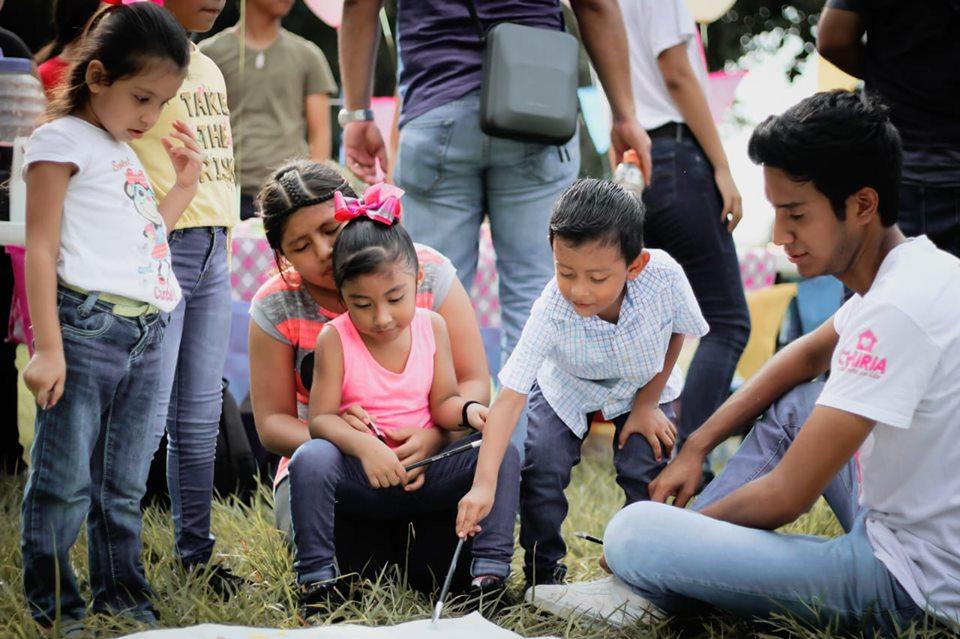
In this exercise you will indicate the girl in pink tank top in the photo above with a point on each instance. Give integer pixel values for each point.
(390, 363)
(389, 356)
(393, 398)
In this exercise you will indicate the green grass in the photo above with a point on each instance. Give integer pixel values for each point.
(250, 545)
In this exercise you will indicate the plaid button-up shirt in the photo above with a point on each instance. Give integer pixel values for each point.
(585, 364)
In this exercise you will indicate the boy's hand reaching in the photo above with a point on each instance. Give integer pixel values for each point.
(655, 428)
(44, 376)
(477, 416)
(382, 466)
(473, 508)
(187, 160)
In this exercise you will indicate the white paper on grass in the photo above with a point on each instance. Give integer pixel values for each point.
(473, 626)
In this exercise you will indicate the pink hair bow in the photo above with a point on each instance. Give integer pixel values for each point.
(381, 203)
(137, 177)
(157, 2)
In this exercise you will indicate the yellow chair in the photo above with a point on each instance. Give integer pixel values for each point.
(767, 308)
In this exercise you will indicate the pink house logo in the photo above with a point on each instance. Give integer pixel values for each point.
(861, 360)
(866, 341)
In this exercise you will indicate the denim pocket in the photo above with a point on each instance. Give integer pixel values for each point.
(549, 164)
(420, 159)
(159, 327)
(95, 324)
(661, 194)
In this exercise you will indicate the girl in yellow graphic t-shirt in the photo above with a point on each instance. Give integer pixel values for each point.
(195, 344)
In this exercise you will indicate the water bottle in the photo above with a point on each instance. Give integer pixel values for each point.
(628, 174)
(21, 100)
(21, 105)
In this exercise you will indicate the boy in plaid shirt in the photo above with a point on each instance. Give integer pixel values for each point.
(603, 336)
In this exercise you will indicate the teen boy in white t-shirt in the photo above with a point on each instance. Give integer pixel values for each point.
(831, 167)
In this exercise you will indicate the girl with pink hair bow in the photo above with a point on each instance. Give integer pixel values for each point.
(308, 209)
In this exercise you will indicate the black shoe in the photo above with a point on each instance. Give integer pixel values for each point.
(222, 581)
(322, 596)
(487, 595)
(543, 577)
(487, 585)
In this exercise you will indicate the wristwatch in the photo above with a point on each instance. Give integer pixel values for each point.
(345, 116)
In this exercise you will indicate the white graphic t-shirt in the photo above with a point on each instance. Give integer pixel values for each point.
(898, 362)
(112, 238)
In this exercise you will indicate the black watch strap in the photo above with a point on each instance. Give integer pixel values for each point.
(464, 423)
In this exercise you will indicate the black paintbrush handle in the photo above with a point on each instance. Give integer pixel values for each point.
(443, 455)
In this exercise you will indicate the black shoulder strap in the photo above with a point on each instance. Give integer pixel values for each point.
(481, 33)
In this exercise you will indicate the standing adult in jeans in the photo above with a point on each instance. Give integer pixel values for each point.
(692, 203)
(909, 62)
(453, 173)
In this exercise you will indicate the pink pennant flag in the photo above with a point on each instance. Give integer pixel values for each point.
(721, 89)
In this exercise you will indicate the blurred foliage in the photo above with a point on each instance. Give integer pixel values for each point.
(733, 34)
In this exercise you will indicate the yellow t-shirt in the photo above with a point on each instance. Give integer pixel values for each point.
(201, 103)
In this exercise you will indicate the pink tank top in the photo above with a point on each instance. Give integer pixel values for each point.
(395, 399)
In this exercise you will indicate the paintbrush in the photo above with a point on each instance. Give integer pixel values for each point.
(444, 455)
(446, 582)
(583, 535)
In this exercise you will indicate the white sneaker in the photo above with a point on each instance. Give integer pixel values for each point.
(608, 599)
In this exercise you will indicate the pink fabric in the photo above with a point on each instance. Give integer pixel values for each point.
(51, 74)
(253, 263)
(483, 294)
(758, 268)
(721, 85)
(19, 330)
(721, 91)
(396, 400)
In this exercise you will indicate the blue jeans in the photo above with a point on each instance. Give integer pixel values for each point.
(687, 563)
(551, 452)
(931, 211)
(454, 174)
(90, 458)
(683, 218)
(322, 479)
(189, 399)
(767, 443)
